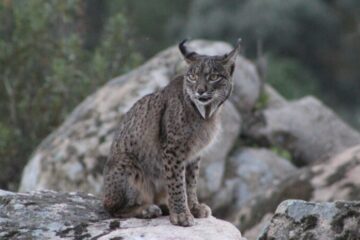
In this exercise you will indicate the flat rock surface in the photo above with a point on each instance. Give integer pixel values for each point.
(53, 215)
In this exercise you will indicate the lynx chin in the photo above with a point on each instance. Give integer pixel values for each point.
(154, 159)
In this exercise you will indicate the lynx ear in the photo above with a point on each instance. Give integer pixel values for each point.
(229, 58)
(232, 55)
(189, 56)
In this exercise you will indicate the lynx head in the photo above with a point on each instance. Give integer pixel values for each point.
(208, 80)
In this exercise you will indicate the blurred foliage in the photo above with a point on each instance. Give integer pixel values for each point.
(262, 101)
(156, 23)
(48, 65)
(291, 78)
(282, 153)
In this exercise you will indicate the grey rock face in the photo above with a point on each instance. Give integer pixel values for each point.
(259, 166)
(247, 85)
(300, 220)
(295, 186)
(257, 169)
(249, 171)
(274, 99)
(338, 177)
(253, 232)
(334, 179)
(53, 215)
(307, 128)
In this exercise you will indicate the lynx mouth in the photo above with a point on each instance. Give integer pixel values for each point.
(204, 99)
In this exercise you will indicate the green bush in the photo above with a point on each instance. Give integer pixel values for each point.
(47, 69)
(291, 78)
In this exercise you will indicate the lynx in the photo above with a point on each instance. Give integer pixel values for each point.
(154, 160)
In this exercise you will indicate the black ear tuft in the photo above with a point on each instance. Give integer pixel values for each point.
(189, 56)
(231, 69)
(182, 47)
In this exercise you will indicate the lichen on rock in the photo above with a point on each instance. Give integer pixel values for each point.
(300, 220)
(53, 215)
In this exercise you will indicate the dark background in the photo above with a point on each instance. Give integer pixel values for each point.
(55, 53)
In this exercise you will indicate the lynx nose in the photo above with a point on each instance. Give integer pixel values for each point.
(200, 91)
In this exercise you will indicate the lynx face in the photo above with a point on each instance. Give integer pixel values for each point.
(208, 81)
(209, 84)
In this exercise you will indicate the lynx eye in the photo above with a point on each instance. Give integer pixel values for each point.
(214, 77)
(191, 77)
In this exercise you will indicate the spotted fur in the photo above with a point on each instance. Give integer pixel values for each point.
(154, 160)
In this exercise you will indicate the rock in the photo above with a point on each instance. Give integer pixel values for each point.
(249, 171)
(306, 128)
(206, 229)
(72, 157)
(295, 186)
(53, 215)
(337, 178)
(273, 98)
(334, 179)
(247, 85)
(300, 220)
(253, 232)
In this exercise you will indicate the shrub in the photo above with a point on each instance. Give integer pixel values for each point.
(47, 69)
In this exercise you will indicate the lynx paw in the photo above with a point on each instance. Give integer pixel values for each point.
(152, 211)
(201, 210)
(182, 219)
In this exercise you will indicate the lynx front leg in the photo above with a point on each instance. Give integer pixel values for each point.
(192, 173)
(175, 179)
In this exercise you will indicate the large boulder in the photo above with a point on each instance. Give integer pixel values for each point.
(253, 212)
(337, 178)
(306, 128)
(247, 85)
(52, 215)
(72, 157)
(300, 220)
(248, 172)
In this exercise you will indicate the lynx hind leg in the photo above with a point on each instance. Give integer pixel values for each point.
(161, 199)
(126, 194)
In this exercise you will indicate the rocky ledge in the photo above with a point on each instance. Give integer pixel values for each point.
(53, 215)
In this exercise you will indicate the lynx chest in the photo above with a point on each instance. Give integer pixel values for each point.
(204, 134)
